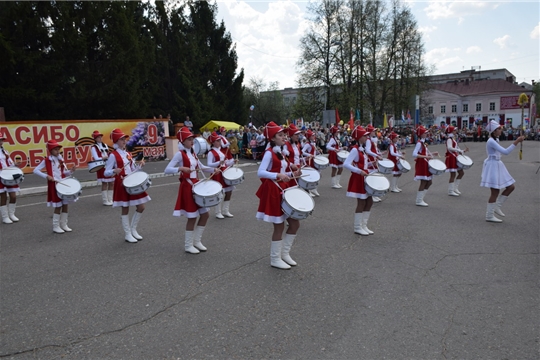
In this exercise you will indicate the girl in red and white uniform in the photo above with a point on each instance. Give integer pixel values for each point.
(373, 153)
(292, 149)
(275, 174)
(120, 164)
(225, 144)
(421, 168)
(394, 155)
(452, 152)
(100, 151)
(333, 147)
(309, 151)
(7, 210)
(186, 163)
(217, 160)
(357, 163)
(56, 170)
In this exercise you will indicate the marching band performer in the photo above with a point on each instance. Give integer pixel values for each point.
(357, 163)
(292, 149)
(187, 164)
(373, 153)
(100, 151)
(309, 151)
(332, 146)
(421, 168)
(56, 170)
(452, 152)
(120, 164)
(7, 210)
(394, 155)
(275, 174)
(216, 159)
(494, 173)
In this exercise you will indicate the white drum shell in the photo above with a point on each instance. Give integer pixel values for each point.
(137, 182)
(310, 179)
(436, 167)
(200, 145)
(321, 162)
(68, 189)
(96, 165)
(385, 166)
(233, 176)
(208, 193)
(464, 162)
(6, 176)
(342, 155)
(376, 185)
(296, 203)
(403, 165)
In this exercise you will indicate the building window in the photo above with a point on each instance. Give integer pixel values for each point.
(465, 107)
(454, 108)
(491, 106)
(430, 109)
(443, 109)
(478, 107)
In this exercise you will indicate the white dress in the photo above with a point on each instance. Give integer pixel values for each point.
(494, 173)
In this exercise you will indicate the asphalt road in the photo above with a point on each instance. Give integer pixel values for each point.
(431, 283)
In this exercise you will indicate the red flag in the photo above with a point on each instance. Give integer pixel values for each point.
(351, 121)
(337, 117)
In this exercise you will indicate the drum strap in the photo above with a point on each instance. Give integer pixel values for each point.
(119, 160)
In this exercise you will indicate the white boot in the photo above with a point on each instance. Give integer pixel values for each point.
(218, 211)
(334, 182)
(315, 192)
(134, 222)
(489, 213)
(127, 229)
(11, 212)
(190, 249)
(358, 229)
(5, 215)
(104, 198)
(56, 224)
(197, 236)
(110, 196)
(499, 202)
(310, 192)
(275, 256)
(365, 219)
(376, 199)
(338, 177)
(420, 199)
(288, 241)
(451, 191)
(64, 221)
(225, 208)
(393, 186)
(397, 188)
(456, 185)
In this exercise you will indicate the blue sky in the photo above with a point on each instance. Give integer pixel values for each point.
(457, 35)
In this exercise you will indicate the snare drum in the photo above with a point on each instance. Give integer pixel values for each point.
(11, 176)
(200, 145)
(310, 179)
(233, 176)
(385, 166)
(137, 182)
(297, 203)
(321, 162)
(96, 165)
(207, 193)
(436, 167)
(376, 185)
(68, 189)
(342, 155)
(464, 162)
(403, 165)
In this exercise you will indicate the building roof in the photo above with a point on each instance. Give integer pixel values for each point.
(466, 88)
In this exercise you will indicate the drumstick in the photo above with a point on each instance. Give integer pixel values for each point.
(61, 183)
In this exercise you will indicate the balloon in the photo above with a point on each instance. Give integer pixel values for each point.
(341, 122)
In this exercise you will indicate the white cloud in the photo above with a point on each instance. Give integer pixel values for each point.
(443, 57)
(535, 34)
(457, 9)
(473, 49)
(502, 42)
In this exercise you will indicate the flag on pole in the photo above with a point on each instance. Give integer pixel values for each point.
(370, 118)
(402, 116)
(357, 114)
(337, 117)
(351, 120)
(385, 121)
